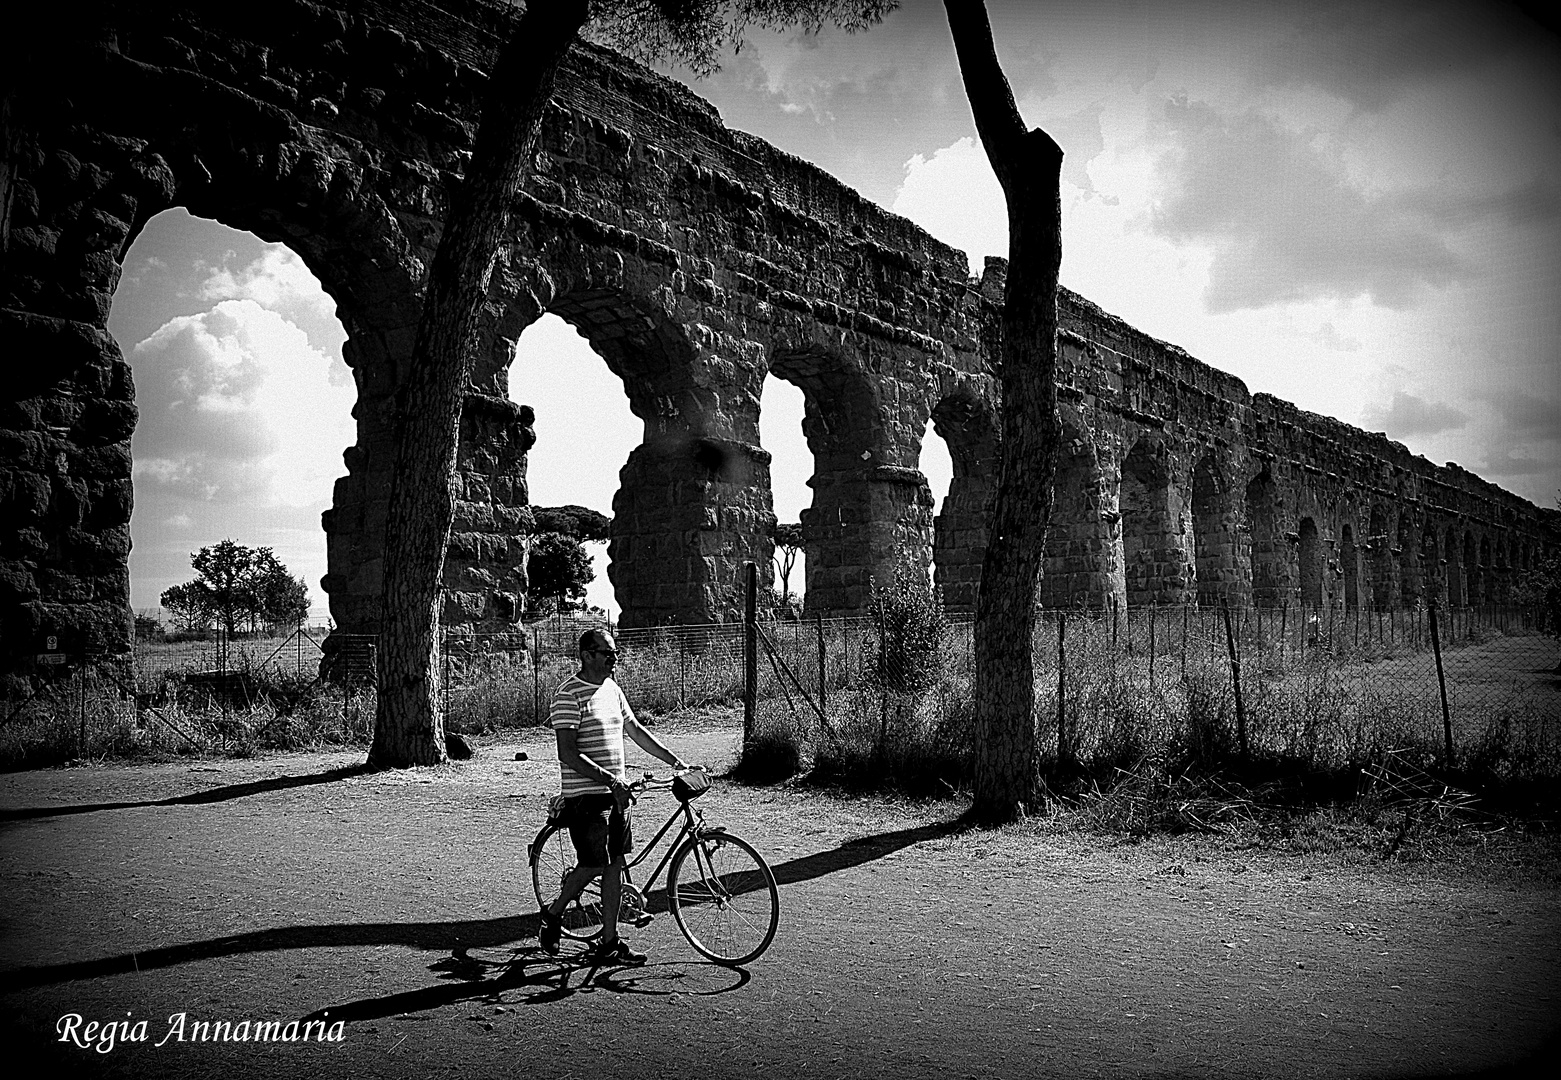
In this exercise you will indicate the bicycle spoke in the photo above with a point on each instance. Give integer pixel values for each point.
(729, 908)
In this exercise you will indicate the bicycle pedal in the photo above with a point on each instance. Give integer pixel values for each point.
(640, 920)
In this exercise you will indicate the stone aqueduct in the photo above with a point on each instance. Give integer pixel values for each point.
(696, 260)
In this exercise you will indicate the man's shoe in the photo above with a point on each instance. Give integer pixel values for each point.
(618, 951)
(551, 930)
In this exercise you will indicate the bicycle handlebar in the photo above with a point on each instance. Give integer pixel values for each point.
(652, 782)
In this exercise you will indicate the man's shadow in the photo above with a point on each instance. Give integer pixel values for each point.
(462, 936)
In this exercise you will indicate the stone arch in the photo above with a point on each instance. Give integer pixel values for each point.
(1453, 567)
(1485, 593)
(1311, 563)
(328, 213)
(1473, 579)
(693, 502)
(1349, 563)
(1411, 565)
(968, 424)
(1157, 559)
(1222, 568)
(1433, 569)
(1271, 582)
(1380, 547)
(1080, 567)
(871, 517)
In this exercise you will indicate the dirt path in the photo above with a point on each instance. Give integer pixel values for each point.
(284, 887)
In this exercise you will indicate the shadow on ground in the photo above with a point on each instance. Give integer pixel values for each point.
(457, 936)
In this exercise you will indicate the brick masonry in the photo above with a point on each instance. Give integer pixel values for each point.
(696, 260)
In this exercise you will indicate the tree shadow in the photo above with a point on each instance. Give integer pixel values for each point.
(456, 937)
(195, 798)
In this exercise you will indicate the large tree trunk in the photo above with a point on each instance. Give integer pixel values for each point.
(1028, 164)
(408, 727)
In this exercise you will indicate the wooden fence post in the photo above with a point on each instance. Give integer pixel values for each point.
(1235, 681)
(823, 682)
(1441, 683)
(1063, 751)
(751, 656)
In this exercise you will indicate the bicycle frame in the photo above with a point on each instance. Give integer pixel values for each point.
(692, 827)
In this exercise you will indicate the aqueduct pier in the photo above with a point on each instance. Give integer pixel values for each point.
(696, 260)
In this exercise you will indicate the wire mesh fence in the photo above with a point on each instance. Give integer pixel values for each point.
(1476, 684)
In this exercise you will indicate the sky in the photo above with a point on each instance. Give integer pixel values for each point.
(1355, 207)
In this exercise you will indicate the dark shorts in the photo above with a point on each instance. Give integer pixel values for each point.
(599, 827)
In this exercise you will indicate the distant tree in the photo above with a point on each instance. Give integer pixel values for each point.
(558, 570)
(188, 606)
(408, 723)
(580, 522)
(280, 600)
(788, 545)
(148, 626)
(1541, 589)
(237, 584)
(224, 571)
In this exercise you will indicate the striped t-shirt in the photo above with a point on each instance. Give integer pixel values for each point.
(598, 713)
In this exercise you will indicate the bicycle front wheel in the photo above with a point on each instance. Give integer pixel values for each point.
(552, 860)
(723, 896)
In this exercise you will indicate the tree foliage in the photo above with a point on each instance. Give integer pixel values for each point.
(788, 545)
(557, 571)
(580, 522)
(237, 584)
(694, 33)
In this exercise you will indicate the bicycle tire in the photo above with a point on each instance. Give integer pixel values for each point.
(553, 859)
(725, 902)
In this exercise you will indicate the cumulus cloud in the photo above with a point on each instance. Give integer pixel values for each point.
(955, 196)
(280, 282)
(1283, 220)
(1407, 415)
(238, 408)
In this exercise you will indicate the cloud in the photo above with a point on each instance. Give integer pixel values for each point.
(1371, 55)
(1407, 415)
(1503, 461)
(1525, 416)
(237, 408)
(1284, 222)
(280, 281)
(1328, 335)
(955, 196)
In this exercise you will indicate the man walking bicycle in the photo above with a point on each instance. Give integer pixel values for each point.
(589, 717)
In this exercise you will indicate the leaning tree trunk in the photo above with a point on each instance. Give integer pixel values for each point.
(408, 726)
(1028, 164)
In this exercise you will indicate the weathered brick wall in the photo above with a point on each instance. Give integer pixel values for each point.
(696, 260)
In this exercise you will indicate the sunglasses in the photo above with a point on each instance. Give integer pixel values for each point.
(603, 652)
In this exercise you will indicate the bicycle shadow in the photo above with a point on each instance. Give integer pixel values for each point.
(452, 936)
(529, 976)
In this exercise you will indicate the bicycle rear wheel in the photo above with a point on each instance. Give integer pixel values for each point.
(723, 896)
(552, 860)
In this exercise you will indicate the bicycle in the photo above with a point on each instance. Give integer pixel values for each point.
(721, 892)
